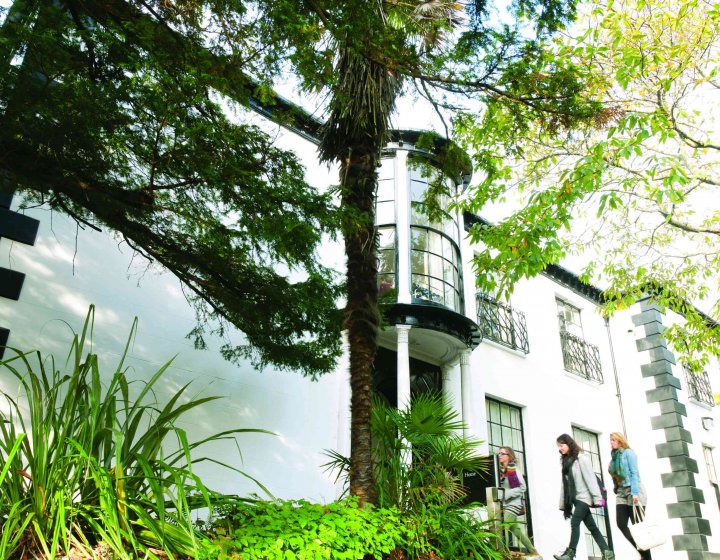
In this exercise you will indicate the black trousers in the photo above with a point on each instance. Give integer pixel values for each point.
(623, 514)
(581, 514)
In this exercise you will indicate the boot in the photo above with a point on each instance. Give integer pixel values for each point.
(608, 554)
(569, 554)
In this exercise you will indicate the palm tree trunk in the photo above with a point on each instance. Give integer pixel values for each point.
(361, 313)
(354, 135)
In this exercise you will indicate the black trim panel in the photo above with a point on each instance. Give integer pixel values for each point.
(11, 282)
(435, 317)
(18, 227)
(4, 335)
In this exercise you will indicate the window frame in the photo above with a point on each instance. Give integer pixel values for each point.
(518, 436)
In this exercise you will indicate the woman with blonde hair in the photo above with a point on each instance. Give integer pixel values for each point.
(511, 480)
(629, 490)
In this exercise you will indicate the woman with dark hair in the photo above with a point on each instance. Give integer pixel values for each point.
(578, 493)
(511, 480)
(629, 490)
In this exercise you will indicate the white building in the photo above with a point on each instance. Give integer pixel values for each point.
(520, 373)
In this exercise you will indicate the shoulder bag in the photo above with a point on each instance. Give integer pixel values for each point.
(646, 534)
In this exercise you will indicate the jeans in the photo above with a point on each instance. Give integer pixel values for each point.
(624, 514)
(581, 513)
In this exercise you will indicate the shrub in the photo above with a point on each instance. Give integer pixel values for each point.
(83, 463)
(305, 531)
(417, 459)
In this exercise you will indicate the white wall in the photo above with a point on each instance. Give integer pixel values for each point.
(553, 401)
(68, 269)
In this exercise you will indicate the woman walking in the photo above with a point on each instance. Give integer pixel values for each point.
(512, 481)
(629, 490)
(579, 492)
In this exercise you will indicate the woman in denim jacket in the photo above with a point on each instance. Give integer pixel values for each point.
(629, 490)
(578, 493)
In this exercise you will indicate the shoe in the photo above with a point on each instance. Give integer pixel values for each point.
(569, 554)
(608, 554)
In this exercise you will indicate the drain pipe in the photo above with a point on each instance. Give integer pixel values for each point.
(615, 373)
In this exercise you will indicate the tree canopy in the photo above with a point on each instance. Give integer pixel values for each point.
(111, 113)
(116, 114)
(634, 190)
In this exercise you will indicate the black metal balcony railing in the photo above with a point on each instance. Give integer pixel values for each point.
(501, 323)
(698, 386)
(580, 357)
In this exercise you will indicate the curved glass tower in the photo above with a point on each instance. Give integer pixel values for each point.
(420, 273)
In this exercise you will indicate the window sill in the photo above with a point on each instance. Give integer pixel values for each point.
(701, 404)
(581, 379)
(516, 352)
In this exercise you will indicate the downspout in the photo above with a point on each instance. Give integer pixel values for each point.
(618, 394)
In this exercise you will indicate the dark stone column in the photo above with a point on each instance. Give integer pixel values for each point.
(683, 468)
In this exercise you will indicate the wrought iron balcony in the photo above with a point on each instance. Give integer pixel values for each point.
(580, 357)
(501, 323)
(698, 386)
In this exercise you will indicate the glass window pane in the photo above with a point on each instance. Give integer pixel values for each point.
(417, 190)
(494, 411)
(449, 273)
(420, 288)
(435, 266)
(417, 262)
(419, 238)
(386, 261)
(435, 242)
(387, 169)
(437, 290)
(504, 414)
(386, 238)
(515, 419)
(385, 282)
(447, 249)
(497, 434)
(451, 296)
(385, 213)
(386, 190)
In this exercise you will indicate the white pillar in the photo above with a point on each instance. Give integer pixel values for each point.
(468, 406)
(452, 392)
(402, 213)
(403, 366)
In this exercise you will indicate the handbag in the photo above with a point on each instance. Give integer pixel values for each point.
(646, 534)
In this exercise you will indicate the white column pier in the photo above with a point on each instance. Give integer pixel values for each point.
(468, 404)
(403, 366)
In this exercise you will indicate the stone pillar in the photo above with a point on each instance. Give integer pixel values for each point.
(403, 366)
(683, 468)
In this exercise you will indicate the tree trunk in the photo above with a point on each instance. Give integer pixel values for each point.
(354, 136)
(361, 313)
